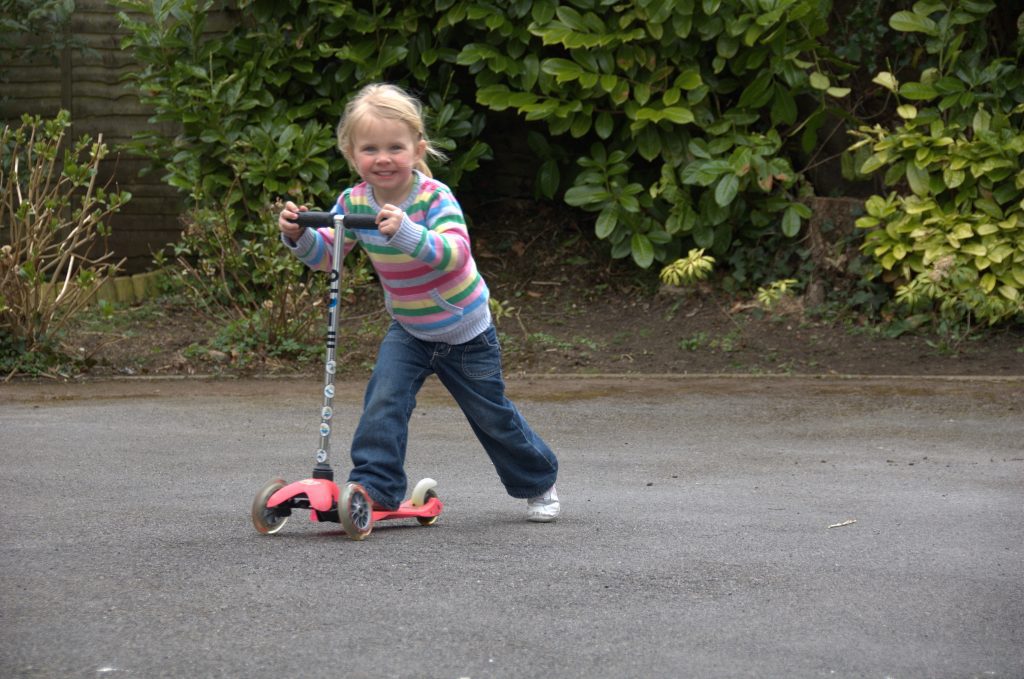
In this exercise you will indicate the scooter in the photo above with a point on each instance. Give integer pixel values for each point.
(349, 504)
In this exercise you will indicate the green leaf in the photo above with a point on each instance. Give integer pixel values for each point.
(918, 178)
(1009, 293)
(703, 235)
(562, 69)
(648, 143)
(604, 125)
(982, 121)
(726, 190)
(606, 223)
(820, 81)
(704, 172)
(907, 111)
(783, 107)
(642, 250)
(548, 178)
(586, 195)
(791, 222)
(887, 80)
(699, 148)
(873, 163)
(689, 79)
(680, 115)
(758, 92)
(909, 22)
(918, 91)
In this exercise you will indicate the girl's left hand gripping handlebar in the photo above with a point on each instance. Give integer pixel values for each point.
(316, 220)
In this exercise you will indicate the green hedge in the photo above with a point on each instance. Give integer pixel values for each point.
(684, 112)
(678, 125)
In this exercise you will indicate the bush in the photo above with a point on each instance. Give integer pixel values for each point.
(685, 108)
(54, 258)
(951, 234)
(234, 272)
(256, 107)
(680, 121)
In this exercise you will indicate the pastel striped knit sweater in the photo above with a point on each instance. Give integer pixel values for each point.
(430, 280)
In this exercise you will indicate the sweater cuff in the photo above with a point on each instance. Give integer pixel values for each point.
(291, 244)
(302, 247)
(408, 236)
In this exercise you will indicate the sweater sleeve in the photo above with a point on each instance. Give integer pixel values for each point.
(442, 242)
(314, 248)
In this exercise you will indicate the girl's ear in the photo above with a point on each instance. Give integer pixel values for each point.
(421, 150)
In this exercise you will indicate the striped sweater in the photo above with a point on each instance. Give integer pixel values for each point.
(430, 280)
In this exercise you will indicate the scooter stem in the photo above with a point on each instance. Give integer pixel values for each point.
(323, 469)
(315, 220)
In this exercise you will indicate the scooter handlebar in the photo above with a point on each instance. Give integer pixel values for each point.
(316, 220)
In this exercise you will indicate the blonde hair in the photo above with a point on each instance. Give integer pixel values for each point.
(388, 102)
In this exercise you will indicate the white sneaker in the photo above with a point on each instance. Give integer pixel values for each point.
(543, 508)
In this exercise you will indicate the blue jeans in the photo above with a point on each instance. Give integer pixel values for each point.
(472, 374)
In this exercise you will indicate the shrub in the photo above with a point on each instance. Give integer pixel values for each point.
(255, 108)
(950, 236)
(684, 107)
(52, 212)
(253, 102)
(234, 272)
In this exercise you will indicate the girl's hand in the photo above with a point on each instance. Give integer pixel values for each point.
(389, 219)
(286, 220)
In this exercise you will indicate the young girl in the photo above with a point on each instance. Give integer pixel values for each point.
(441, 323)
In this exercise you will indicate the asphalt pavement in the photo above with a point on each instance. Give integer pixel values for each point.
(711, 527)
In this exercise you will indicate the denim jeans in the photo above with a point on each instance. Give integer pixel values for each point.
(472, 374)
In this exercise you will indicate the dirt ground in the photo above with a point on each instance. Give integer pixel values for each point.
(567, 310)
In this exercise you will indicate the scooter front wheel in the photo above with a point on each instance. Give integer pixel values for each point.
(267, 520)
(355, 511)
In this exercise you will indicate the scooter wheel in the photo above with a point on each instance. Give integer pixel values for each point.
(420, 492)
(355, 511)
(265, 519)
(423, 491)
(428, 520)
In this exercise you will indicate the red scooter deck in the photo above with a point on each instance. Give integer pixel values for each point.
(431, 509)
(348, 505)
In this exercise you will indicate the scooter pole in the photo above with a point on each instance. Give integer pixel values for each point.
(323, 469)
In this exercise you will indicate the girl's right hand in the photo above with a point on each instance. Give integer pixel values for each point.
(286, 220)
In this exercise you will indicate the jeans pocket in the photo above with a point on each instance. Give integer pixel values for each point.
(481, 356)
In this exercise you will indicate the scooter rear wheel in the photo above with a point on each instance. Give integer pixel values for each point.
(266, 519)
(355, 511)
(423, 491)
(428, 520)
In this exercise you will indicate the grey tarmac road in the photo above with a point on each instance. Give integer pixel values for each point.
(712, 527)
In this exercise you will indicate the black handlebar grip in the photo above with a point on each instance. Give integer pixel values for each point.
(360, 221)
(316, 220)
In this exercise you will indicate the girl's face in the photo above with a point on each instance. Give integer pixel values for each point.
(385, 153)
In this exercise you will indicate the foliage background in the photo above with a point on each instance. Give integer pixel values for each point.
(683, 131)
(679, 125)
